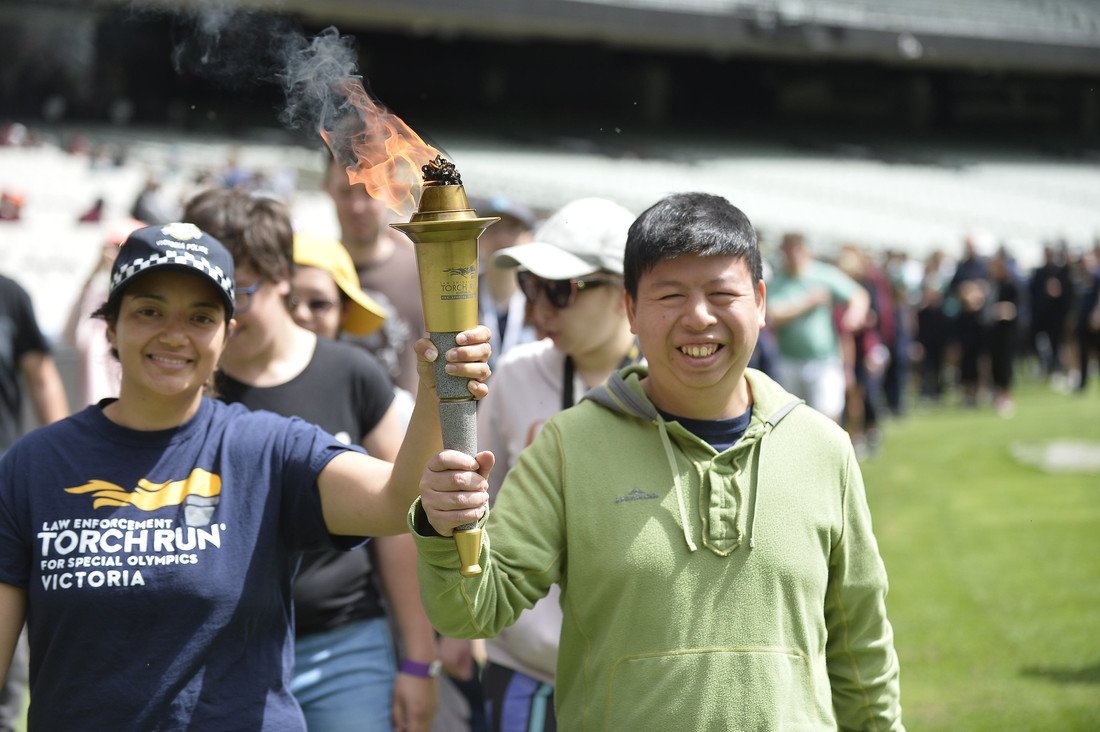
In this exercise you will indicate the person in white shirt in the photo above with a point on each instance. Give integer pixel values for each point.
(571, 276)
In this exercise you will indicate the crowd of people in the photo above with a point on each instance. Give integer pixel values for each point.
(750, 376)
(940, 330)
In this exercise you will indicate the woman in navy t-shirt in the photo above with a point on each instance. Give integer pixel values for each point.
(150, 541)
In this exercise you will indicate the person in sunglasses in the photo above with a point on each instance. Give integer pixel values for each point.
(326, 298)
(572, 277)
(709, 531)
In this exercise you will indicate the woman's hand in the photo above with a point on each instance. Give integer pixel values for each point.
(469, 360)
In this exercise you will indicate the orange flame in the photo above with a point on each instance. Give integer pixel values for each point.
(388, 153)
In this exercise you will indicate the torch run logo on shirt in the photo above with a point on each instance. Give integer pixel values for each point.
(79, 553)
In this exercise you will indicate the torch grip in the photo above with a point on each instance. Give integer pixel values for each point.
(445, 231)
(458, 420)
(447, 387)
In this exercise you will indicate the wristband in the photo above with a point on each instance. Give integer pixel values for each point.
(421, 670)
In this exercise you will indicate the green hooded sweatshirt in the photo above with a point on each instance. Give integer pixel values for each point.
(740, 590)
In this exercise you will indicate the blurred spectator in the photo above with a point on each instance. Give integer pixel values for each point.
(896, 381)
(99, 371)
(972, 266)
(864, 352)
(150, 205)
(801, 297)
(11, 206)
(969, 293)
(1051, 298)
(25, 364)
(766, 354)
(94, 214)
(971, 332)
(1003, 332)
(234, 174)
(14, 134)
(386, 263)
(932, 336)
(77, 143)
(501, 305)
(1088, 317)
(938, 271)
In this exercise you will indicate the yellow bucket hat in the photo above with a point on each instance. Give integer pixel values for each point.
(310, 250)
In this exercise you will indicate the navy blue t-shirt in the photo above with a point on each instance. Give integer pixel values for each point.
(158, 566)
(721, 434)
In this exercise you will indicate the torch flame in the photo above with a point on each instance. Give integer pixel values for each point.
(385, 154)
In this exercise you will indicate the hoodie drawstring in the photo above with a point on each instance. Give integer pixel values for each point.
(671, 457)
(755, 489)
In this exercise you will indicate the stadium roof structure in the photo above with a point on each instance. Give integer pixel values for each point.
(1051, 35)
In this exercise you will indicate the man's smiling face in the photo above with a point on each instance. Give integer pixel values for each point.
(697, 320)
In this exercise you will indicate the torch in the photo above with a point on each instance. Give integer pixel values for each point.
(380, 151)
(445, 230)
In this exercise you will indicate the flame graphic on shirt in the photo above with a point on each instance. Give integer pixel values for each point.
(149, 496)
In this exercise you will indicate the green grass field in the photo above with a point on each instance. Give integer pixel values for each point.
(994, 565)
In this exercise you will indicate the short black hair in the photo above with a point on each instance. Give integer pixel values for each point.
(689, 223)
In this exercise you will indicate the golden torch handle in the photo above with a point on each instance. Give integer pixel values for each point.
(445, 231)
(458, 420)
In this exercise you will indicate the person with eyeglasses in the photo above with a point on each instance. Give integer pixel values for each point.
(708, 530)
(346, 671)
(572, 277)
(326, 298)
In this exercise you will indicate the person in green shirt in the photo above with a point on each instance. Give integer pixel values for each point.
(708, 530)
(802, 297)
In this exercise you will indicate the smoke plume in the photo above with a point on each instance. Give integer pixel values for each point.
(319, 74)
(325, 96)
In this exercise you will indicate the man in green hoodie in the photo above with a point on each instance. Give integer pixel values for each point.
(709, 531)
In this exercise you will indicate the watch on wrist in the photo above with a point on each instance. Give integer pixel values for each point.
(422, 670)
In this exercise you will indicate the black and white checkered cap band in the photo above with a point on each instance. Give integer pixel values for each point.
(187, 259)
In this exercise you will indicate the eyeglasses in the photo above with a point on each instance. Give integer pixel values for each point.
(559, 293)
(243, 296)
(317, 305)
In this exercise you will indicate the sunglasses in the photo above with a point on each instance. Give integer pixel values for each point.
(317, 306)
(559, 293)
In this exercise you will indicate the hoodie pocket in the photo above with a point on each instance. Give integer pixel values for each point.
(717, 689)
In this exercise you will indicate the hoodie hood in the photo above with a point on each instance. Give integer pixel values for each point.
(728, 479)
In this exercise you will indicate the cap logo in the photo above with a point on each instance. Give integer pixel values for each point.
(181, 231)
